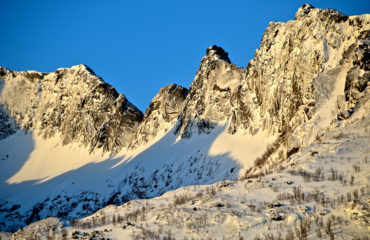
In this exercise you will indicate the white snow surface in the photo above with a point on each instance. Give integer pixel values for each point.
(45, 159)
(35, 170)
(325, 184)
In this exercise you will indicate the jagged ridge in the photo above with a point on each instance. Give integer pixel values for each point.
(277, 94)
(320, 58)
(73, 102)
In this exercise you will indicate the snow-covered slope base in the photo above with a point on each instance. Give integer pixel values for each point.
(321, 192)
(42, 178)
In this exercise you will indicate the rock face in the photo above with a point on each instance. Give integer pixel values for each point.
(161, 115)
(303, 64)
(39, 229)
(300, 66)
(212, 94)
(73, 102)
(7, 124)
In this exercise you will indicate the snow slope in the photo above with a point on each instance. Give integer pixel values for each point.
(59, 172)
(321, 192)
(43, 159)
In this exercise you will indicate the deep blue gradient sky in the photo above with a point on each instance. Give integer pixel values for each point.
(139, 46)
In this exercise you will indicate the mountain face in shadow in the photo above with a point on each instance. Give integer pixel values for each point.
(87, 146)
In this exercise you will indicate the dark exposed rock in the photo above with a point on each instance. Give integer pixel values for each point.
(220, 205)
(7, 124)
(323, 14)
(303, 11)
(212, 94)
(217, 52)
(332, 15)
(278, 217)
(161, 114)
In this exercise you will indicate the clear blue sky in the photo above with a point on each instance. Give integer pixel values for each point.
(139, 46)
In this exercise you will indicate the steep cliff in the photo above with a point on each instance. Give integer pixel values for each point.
(304, 66)
(161, 114)
(212, 95)
(307, 74)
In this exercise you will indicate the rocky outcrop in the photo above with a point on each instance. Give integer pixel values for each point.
(211, 96)
(161, 114)
(357, 56)
(73, 102)
(42, 228)
(301, 67)
(7, 124)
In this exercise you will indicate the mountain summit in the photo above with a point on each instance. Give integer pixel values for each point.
(214, 52)
(73, 102)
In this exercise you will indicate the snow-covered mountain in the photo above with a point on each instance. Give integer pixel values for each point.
(72, 145)
(73, 102)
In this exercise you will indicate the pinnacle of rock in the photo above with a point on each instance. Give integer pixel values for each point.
(215, 52)
(303, 11)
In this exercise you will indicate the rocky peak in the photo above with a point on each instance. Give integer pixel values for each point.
(211, 94)
(303, 11)
(73, 102)
(215, 53)
(299, 66)
(303, 67)
(332, 15)
(82, 67)
(161, 114)
(169, 99)
(308, 10)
